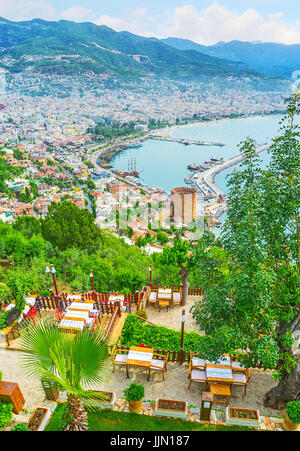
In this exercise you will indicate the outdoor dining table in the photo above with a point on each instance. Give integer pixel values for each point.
(81, 305)
(117, 297)
(76, 314)
(218, 373)
(72, 324)
(139, 358)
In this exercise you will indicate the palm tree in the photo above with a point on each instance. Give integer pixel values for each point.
(72, 363)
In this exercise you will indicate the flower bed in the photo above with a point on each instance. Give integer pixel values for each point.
(170, 408)
(39, 419)
(242, 417)
(107, 403)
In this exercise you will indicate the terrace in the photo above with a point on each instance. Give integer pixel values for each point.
(110, 310)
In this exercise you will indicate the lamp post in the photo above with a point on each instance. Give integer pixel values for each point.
(92, 279)
(182, 335)
(52, 270)
(150, 271)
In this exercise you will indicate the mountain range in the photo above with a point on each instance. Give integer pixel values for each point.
(66, 47)
(268, 58)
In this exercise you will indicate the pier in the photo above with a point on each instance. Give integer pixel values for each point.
(186, 142)
(205, 180)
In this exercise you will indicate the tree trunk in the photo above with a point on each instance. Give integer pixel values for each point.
(78, 415)
(185, 284)
(287, 390)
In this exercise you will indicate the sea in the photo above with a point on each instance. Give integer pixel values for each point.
(164, 164)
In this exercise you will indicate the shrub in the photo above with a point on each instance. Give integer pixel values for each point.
(135, 331)
(135, 392)
(5, 414)
(142, 314)
(20, 427)
(293, 411)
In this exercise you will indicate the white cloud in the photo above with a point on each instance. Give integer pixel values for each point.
(27, 10)
(78, 14)
(137, 21)
(217, 23)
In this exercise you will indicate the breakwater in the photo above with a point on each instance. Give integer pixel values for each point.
(205, 181)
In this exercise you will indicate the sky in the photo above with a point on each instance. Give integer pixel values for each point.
(203, 21)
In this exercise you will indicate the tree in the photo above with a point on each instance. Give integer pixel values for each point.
(67, 226)
(253, 302)
(180, 255)
(70, 363)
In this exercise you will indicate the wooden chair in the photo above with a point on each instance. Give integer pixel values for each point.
(159, 363)
(197, 376)
(241, 379)
(236, 365)
(176, 298)
(152, 299)
(119, 357)
(196, 363)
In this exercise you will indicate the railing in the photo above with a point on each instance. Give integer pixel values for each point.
(193, 291)
(115, 317)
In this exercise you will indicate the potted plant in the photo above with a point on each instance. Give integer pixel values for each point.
(134, 395)
(292, 418)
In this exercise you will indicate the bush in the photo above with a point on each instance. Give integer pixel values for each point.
(135, 331)
(20, 427)
(142, 314)
(293, 411)
(5, 414)
(135, 392)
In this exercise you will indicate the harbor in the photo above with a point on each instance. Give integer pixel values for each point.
(209, 192)
(186, 142)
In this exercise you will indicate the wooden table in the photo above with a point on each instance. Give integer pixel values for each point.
(139, 358)
(10, 392)
(220, 371)
(221, 390)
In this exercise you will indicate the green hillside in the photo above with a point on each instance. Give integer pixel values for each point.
(68, 47)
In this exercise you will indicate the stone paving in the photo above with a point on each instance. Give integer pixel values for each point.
(172, 318)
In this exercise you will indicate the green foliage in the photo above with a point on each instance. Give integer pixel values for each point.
(136, 331)
(293, 411)
(3, 317)
(252, 286)
(135, 392)
(60, 418)
(20, 427)
(6, 414)
(7, 172)
(1, 375)
(67, 226)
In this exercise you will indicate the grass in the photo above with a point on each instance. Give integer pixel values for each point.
(109, 420)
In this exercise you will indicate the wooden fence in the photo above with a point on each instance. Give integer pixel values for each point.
(193, 291)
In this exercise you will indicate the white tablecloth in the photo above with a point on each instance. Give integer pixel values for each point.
(68, 324)
(140, 355)
(30, 301)
(222, 361)
(219, 373)
(71, 314)
(82, 306)
(164, 291)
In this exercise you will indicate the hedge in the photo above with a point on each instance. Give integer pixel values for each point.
(136, 331)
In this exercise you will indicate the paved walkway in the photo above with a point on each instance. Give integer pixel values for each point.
(172, 318)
